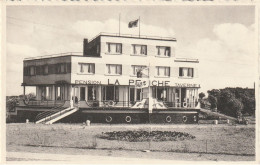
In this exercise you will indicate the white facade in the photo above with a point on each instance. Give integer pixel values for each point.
(110, 74)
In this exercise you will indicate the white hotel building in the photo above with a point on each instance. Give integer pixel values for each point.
(106, 74)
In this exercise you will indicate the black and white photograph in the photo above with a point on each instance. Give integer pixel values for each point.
(130, 83)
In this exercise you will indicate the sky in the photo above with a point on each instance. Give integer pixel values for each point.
(221, 37)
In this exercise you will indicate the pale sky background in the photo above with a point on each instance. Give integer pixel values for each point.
(221, 37)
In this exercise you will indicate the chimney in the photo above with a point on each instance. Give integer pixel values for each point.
(85, 43)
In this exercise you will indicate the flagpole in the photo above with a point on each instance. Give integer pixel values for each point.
(119, 23)
(139, 25)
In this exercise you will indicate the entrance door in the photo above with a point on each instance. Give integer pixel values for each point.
(82, 93)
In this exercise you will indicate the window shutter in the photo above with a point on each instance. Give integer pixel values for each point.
(174, 71)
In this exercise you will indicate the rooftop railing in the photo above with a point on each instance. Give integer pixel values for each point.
(55, 55)
(134, 36)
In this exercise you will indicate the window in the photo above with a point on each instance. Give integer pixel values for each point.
(114, 48)
(61, 68)
(32, 70)
(163, 51)
(136, 68)
(186, 72)
(87, 68)
(110, 93)
(45, 69)
(113, 69)
(92, 93)
(163, 71)
(139, 49)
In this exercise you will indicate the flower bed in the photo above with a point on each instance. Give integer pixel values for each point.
(140, 136)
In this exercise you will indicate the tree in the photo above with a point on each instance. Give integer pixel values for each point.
(214, 92)
(213, 101)
(201, 95)
(241, 98)
(229, 104)
(30, 96)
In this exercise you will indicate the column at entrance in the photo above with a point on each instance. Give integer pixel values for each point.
(53, 92)
(150, 106)
(99, 93)
(38, 93)
(72, 96)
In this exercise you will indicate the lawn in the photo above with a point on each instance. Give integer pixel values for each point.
(209, 139)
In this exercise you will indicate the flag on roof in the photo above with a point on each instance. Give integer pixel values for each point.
(132, 24)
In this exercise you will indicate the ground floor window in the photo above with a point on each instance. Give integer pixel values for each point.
(45, 92)
(160, 93)
(58, 93)
(92, 93)
(110, 93)
(135, 94)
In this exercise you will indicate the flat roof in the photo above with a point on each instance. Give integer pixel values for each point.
(134, 36)
(55, 55)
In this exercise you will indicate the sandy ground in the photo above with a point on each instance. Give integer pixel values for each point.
(77, 141)
(21, 153)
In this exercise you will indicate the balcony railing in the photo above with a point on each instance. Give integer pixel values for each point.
(181, 105)
(44, 103)
(55, 55)
(111, 103)
(105, 103)
(134, 36)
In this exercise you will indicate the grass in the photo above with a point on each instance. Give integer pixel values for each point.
(214, 139)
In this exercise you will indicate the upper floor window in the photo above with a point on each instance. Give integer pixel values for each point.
(163, 71)
(32, 70)
(137, 68)
(88, 68)
(186, 72)
(139, 49)
(61, 68)
(163, 51)
(113, 69)
(114, 48)
(45, 69)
